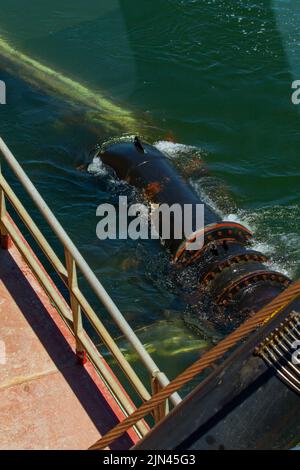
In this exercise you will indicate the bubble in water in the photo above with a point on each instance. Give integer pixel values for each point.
(97, 168)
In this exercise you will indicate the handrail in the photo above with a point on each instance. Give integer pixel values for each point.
(62, 271)
(68, 274)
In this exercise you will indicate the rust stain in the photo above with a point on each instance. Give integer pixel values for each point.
(152, 189)
(170, 137)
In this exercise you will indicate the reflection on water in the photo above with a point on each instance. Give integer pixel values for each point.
(171, 344)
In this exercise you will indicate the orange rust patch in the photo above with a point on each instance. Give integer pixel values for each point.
(170, 137)
(152, 189)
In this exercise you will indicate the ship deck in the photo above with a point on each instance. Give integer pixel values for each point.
(47, 399)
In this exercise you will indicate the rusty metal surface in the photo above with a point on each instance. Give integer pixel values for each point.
(47, 400)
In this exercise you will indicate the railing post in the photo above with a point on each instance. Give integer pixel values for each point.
(163, 408)
(74, 261)
(5, 240)
(76, 309)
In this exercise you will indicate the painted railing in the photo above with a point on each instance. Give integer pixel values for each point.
(79, 305)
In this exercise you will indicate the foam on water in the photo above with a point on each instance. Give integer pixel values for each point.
(281, 243)
(175, 150)
(97, 168)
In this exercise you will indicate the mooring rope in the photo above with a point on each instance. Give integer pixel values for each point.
(207, 360)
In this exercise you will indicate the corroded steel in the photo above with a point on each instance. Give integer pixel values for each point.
(244, 293)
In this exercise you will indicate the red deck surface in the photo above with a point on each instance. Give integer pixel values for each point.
(47, 400)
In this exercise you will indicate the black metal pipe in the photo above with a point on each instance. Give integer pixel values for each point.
(251, 400)
(234, 276)
(146, 168)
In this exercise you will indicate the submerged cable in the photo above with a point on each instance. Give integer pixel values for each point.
(98, 109)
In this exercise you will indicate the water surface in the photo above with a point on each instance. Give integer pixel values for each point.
(215, 75)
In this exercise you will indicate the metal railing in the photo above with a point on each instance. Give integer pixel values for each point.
(79, 305)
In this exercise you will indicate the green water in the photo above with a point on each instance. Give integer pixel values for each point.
(214, 74)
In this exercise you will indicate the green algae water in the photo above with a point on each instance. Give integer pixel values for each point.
(216, 75)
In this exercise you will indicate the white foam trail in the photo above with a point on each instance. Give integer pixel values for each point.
(277, 242)
(174, 150)
(282, 239)
(198, 188)
(97, 168)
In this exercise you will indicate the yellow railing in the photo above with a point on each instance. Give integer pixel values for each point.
(79, 305)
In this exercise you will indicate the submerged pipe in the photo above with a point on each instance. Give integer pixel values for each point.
(233, 404)
(232, 274)
(97, 109)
